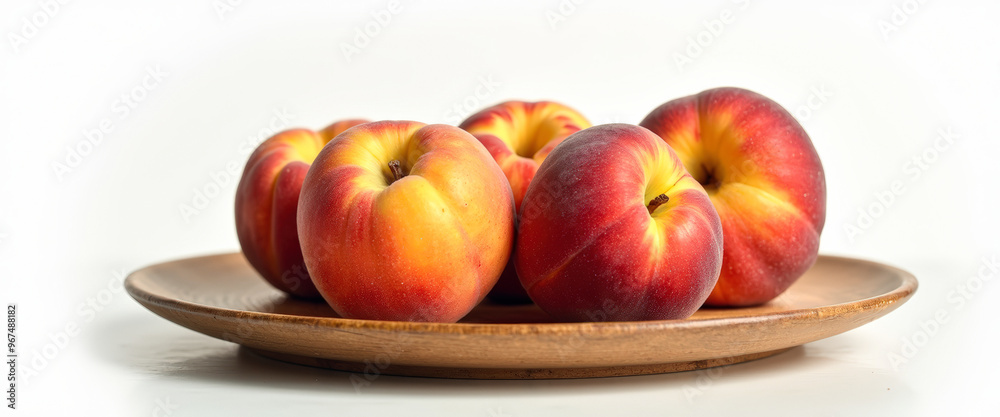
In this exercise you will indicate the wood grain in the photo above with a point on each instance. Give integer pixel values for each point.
(221, 296)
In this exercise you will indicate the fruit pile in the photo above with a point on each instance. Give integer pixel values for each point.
(714, 199)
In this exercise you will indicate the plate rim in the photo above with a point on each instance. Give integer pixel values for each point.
(906, 288)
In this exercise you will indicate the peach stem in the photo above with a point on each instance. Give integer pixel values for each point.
(397, 172)
(657, 202)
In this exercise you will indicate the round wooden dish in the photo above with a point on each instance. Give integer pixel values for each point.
(221, 296)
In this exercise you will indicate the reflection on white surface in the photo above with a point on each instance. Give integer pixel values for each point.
(198, 373)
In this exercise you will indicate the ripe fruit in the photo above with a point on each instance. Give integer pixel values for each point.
(613, 228)
(266, 201)
(404, 221)
(765, 180)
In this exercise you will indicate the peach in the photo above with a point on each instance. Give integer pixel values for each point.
(765, 180)
(404, 221)
(266, 201)
(613, 228)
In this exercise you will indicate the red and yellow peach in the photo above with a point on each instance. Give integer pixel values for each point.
(404, 221)
(765, 180)
(613, 228)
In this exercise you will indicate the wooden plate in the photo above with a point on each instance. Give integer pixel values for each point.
(221, 296)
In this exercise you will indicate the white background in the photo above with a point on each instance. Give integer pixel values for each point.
(886, 92)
